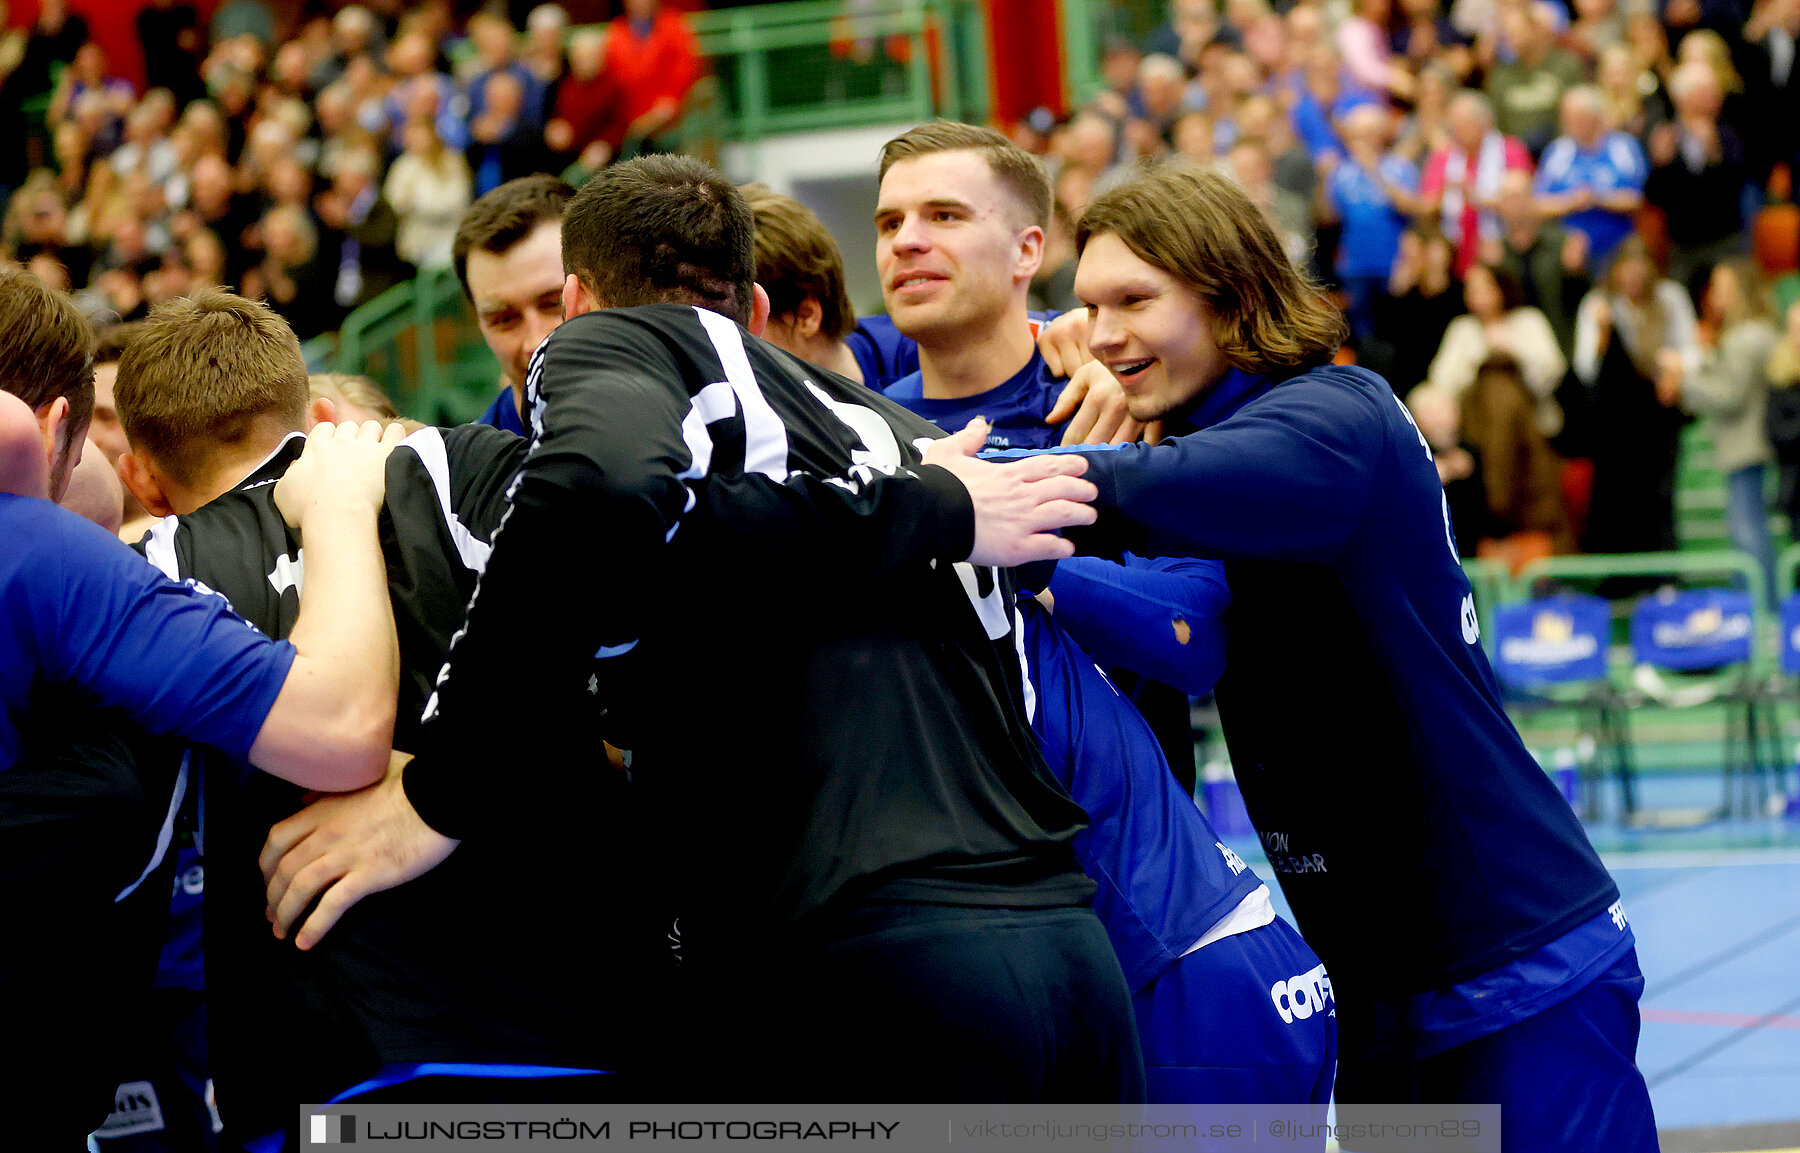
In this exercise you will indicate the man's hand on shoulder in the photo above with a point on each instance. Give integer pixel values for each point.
(343, 847)
(344, 467)
(1064, 343)
(1018, 505)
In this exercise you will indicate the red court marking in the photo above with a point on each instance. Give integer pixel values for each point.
(1731, 1020)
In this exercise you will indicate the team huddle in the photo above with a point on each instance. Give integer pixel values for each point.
(757, 705)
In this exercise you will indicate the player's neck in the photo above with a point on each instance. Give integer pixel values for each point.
(229, 468)
(969, 364)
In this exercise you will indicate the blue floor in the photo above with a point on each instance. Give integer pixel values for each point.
(1716, 910)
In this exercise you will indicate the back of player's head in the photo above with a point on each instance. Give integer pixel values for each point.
(1199, 226)
(46, 348)
(796, 258)
(356, 397)
(1023, 174)
(506, 216)
(208, 371)
(662, 230)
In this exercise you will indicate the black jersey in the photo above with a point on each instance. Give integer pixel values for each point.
(430, 971)
(815, 733)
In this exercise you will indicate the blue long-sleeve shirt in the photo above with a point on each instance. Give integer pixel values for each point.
(1418, 841)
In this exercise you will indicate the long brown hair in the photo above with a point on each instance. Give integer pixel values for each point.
(1198, 225)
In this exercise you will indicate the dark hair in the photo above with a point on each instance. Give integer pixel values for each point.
(797, 258)
(46, 348)
(1199, 226)
(506, 216)
(1507, 282)
(662, 229)
(1023, 174)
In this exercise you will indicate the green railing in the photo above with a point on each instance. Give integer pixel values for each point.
(1087, 27)
(418, 340)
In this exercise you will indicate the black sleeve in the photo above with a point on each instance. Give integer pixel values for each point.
(579, 561)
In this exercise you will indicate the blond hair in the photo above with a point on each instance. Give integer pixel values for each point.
(1199, 226)
(203, 374)
(349, 388)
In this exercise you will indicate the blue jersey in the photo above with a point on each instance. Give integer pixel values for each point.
(1015, 409)
(79, 609)
(881, 352)
(503, 413)
(1164, 876)
(1393, 795)
(1372, 225)
(1617, 164)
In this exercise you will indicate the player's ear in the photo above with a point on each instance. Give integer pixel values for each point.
(141, 479)
(809, 316)
(1031, 253)
(576, 299)
(320, 411)
(759, 310)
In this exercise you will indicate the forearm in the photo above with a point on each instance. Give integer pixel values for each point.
(1163, 620)
(333, 721)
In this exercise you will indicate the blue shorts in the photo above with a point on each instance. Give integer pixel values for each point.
(1566, 1079)
(1248, 1019)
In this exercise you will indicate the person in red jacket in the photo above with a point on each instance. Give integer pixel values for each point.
(652, 52)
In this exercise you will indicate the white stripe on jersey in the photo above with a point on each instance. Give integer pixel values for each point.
(159, 546)
(428, 445)
(765, 437)
(714, 402)
(166, 835)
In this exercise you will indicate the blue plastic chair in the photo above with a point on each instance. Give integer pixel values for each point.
(1550, 653)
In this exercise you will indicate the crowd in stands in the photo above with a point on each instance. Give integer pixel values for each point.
(314, 160)
(1525, 209)
(1506, 195)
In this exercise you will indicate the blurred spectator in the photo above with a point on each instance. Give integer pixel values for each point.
(496, 54)
(169, 31)
(1597, 27)
(545, 28)
(1632, 334)
(1194, 139)
(215, 206)
(589, 124)
(429, 188)
(1631, 94)
(503, 143)
(420, 91)
(1162, 96)
(1326, 94)
(1053, 285)
(26, 64)
(1462, 179)
(1772, 83)
(95, 99)
(290, 275)
(35, 231)
(1290, 214)
(1426, 129)
(1499, 320)
(1365, 43)
(1697, 175)
(358, 244)
(1521, 475)
(1527, 89)
(1423, 297)
(1783, 424)
(1425, 38)
(1438, 415)
(1549, 262)
(1728, 388)
(355, 35)
(1592, 177)
(1373, 193)
(1191, 27)
(652, 52)
(1259, 117)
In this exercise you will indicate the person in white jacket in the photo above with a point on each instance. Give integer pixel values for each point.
(1499, 321)
(430, 188)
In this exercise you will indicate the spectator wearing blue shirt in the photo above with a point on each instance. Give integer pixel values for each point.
(1372, 193)
(1592, 178)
